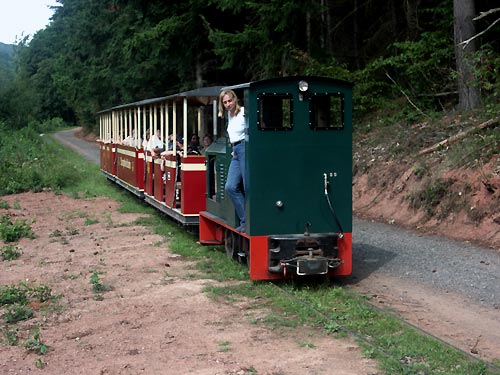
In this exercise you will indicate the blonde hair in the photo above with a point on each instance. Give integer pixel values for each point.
(235, 98)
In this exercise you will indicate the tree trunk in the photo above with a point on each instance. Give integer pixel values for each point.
(468, 92)
(308, 32)
(199, 74)
(328, 25)
(411, 12)
(355, 48)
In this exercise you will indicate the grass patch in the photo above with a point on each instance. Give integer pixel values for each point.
(308, 345)
(39, 363)
(13, 231)
(23, 293)
(9, 336)
(72, 231)
(150, 271)
(10, 252)
(98, 287)
(15, 313)
(56, 233)
(474, 150)
(35, 344)
(90, 221)
(26, 154)
(225, 346)
(16, 301)
(211, 261)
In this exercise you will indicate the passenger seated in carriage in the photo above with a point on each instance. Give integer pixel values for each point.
(132, 140)
(156, 145)
(170, 149)
(170, 145)
(207, 141)
(145, 143)
(194, 145)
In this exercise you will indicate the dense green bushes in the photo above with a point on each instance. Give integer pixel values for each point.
(30, 161)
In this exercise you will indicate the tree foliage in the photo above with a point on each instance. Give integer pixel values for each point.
(6, 64)
(99, 53)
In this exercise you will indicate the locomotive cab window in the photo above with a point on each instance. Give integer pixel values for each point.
(275, 111)
(327, 111)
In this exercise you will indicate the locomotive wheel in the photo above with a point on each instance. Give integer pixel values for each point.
(244, 254)
(230, 243)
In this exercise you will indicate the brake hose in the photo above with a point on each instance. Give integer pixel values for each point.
(341, 233)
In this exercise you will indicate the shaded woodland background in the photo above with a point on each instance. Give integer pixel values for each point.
(96, 53)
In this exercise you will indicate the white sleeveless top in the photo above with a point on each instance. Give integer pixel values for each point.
(236, 126)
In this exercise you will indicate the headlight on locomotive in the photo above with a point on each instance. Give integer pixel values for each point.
(303, 86)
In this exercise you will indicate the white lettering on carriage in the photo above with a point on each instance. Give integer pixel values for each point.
(125, 163)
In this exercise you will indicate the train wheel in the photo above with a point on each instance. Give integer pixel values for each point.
(244, 253)
(230, 243)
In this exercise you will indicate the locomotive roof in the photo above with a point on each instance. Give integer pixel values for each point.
(289, 78)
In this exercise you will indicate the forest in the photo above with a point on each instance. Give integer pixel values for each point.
(95, 54)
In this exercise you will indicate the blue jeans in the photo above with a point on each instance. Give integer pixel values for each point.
(236, 181)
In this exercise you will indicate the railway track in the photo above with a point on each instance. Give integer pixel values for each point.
(403, 363)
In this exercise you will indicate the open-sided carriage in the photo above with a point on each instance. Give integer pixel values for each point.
(176, 183)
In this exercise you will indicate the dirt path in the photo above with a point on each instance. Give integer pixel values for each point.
(156, 319)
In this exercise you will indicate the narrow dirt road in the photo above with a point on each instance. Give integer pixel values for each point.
(450, 289)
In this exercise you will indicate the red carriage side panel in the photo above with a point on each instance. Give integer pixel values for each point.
(148, 173)
(170, 180)
(158, 182)
(140, 168)
(126, 164)
(104, 156)
(193, 177)
(113, 164)
(107, 157)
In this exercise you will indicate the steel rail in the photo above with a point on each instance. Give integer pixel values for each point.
(366, 341)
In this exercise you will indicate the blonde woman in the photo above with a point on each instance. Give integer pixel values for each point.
(228, 102)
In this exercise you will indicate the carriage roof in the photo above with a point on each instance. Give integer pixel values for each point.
(201, 96)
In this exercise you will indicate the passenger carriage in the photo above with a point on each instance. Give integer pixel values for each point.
(179, 190)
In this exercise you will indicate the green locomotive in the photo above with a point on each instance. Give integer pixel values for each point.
(298, 195)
